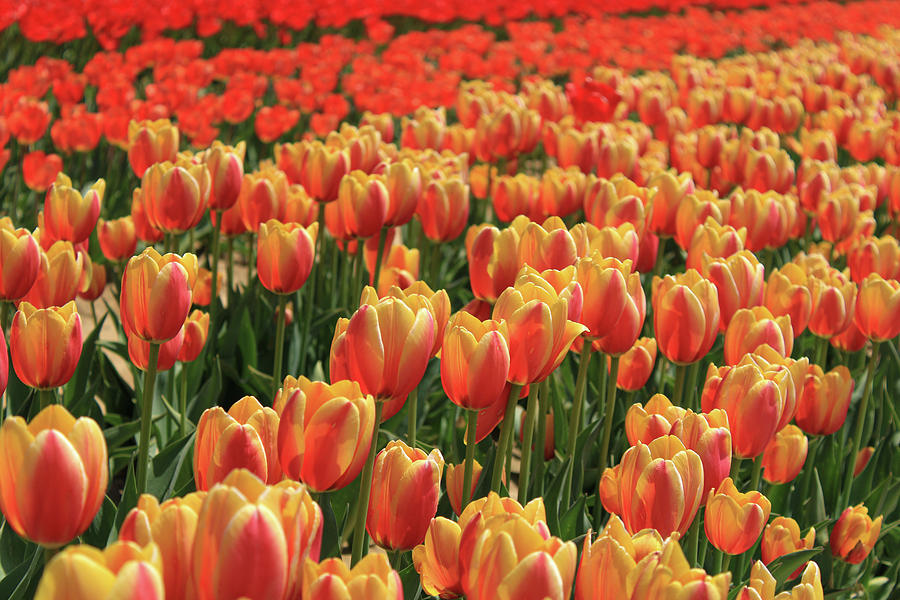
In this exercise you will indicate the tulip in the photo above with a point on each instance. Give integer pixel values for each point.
(118, 238)
(762, 584)
(68, 215)
(862, 460)
(20, 257)
(824, 400)
(492, 256)
(712, 240)
(142, 227)
(171, 526)
(833, 300)
(547, 247)
(122, 571)
(685, 316)
(437, 558)
(404, 184)
(667, 574)
(636, 365)
(175, 196)
(444, 209)
(671, 190)
(156, 294)
(39, 170)
(58, 276)
(787, 293)
(704, 213)
(151, 142)
(785, 455)
(262, 197)
(516, 195)
(323, 170)
(878, 308)
(417, 295)
(167, 353)
(733, 521)
(201, 291)
(782, 536)
(739, 281)
(405, 491)
(325, 432)
(474, 361)
(709, 436)
(45, 344)
(456, 490)
(659, 485)
(654, 419)
(244, 437)
(54, 456)
(372, 577)
(226, 170)
(751, 328)
(854, 535)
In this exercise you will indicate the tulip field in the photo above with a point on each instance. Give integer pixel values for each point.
(406, 300)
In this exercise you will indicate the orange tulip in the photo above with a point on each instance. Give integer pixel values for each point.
(417, 295)
(325, 431)
(875, 255)
(854, 535)
(404, 184)
(118, 238)
(175, 196)
(492, 255)
(371, 577)
(833, 300)
(39, 170)
(139, 351)
(659, 485)
(437, 558)
(156, 294)
(862, 459)
(878, 308)
(636, 365)
(824, 399)
(123, 571)
(739, 281)
(196, 330)
(444, 209)
(262, 197)
(454, 483)
(45, 344)
(384, 347)
(671, 190)
(285, 255)
(67, 214)
(667, 575)
(171, 526)
(474, 361)
(142, 227)
(685, 316)
(244, 437)
(762, 584)
(20, 261)
(654, 419)
(751, 328)
(363, 201)
(53, 457)
(782, 536)
(605, 285)
(695, 212)
(151, 142)
(58, 277)
(788, 293)
(226, 171)
(785, 455)
(709, 436)
(549, 246)
(404, 498)
(621, 242)
(712, 240)
(733, 521)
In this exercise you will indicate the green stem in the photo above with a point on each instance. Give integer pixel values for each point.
(412, 404)
(146, 418)
(691, 387)
(251, 260)
(757, 470)
(822, 352)
(279, 343)
(725, 560)
(183, 398)
(810, 465)
(610, 410)
(858, 432)
(505, 431)
(575, 420)
(735, 469)
(229, 269)
(469, 468)
(382, 238)
(48, 397)
(543, 408)
(214, 267)
(692, 540)
(680, 372)
(365, 488)
(525, 467)
(5, 311)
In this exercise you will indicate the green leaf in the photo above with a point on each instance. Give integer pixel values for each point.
(166, 467)
(20, 580)
(77, 386)
(100, 532)
(12, 548)
(129, 496)
(782, 567)
(246, 339)
(574, 521)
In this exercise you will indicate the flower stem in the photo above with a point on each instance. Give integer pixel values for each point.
(757, 470)
(525, 467)
(279, 342)
(505, 431)
(543, 411)
(469, 468)
(146, 418)
(693, 537)
(47, 397)
(680, 372)
(412, 404)
(575, 420)
(822, 352)
(183, 398)
(365, 488)
(382, 238)
(214, 267)
(858, 432)
(610, 410)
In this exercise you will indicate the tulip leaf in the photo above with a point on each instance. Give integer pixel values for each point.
(22, 581)
(261, 382)
(129, 496)
(782, 567)
(120, 434)
(102, 528)
(166, 467)
(246, 339)
(77, 386)
(574, 522)
(12, 548)
(412, 587)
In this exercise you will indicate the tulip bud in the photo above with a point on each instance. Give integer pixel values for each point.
(739, 281)
(262, 197)
(709, 436)
(454, 483)
(878, 308)
(20, 257)
(45, 344)
(833, 299)
(636, 365)
(226, 171)
(733, 521)
(474, 361)
(69, 216)
(862, 460)
(854, 535)
(58, 278)
(156, 294)
(654, 419)
(444, 209)
(782, 536)
(285, 255)
(824, 399)
(685, 316)
(372, 577)
(437, 559)
(151, 142)
(118, 238)
(751, 328)
(54, 456)
(785, 455)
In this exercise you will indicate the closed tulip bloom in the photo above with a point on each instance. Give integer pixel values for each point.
(371, 577)
(54, 456)
(437, 558)
(787, 292)
(118, 238)
(234, 516)
(636, 365)
(384, 347)
(67, 214)
(854, 535)
(405, 492)
(833, 301)
(196, 330)
(667, 575)
(660, 485)
(685, 316)
(694, 214)
(58, 276)
(363, 201)
(244, 437)
(708, 435)
(653, 420)
(862, 460)
(156, 294)
(151, 142)
(785, 455)
(263, 196)
(762, 584)
(175, 196)
(715, 241)
(454, 484)
(751, 328)
(505, 557)
(404, 185)
(671, 189)
(621, 242)
(226, 171)
(516, 195)
(878, 308)
(739, 280)
(492, 256)
(546, 247)
(630, 323)
(875, 255)
(325, 432)
(45, 344)
(417, 295)
(474, 361)
(123, 571)
(39, 169)
(443, 209)
(142, 227)
(285, 255)
(604, 282)
(824, 399)
(733, 521)
(20, 261)
(782, 536)
(139, 352)
(323, 169)
(171, 526)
